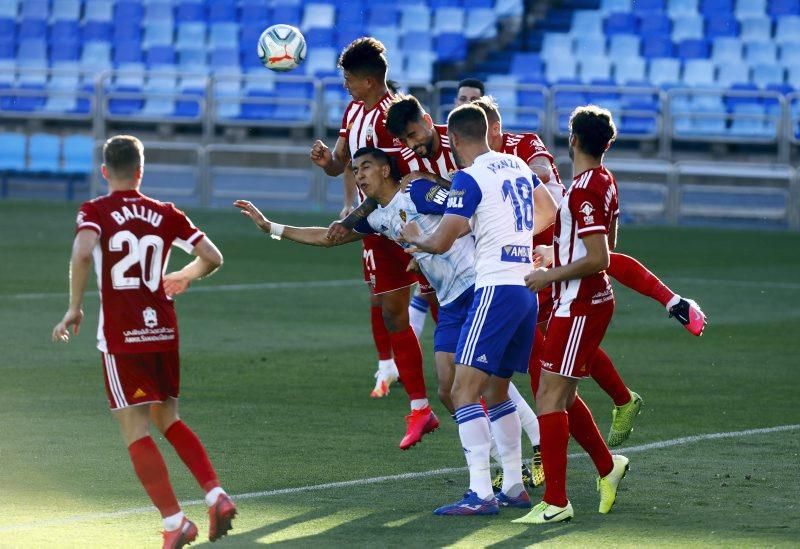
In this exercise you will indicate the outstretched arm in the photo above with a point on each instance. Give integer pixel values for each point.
(313, 236)
(80, 265)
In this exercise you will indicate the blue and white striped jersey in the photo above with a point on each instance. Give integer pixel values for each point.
(450, 273)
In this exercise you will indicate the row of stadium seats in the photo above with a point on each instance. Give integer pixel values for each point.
(741, 8)
(45, 153)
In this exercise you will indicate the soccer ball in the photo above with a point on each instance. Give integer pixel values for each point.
(281, 47)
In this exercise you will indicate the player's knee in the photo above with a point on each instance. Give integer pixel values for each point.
(394, 319)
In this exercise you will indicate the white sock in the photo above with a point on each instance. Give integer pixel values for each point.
(387, 366)
(507, 433)
(173, 522)
(212, 495)
(672, 302)
(473, 429)
(417, 320)
(494, 452)
(527, 417)
(419, 403)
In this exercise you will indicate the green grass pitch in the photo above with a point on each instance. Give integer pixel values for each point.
(276, 383)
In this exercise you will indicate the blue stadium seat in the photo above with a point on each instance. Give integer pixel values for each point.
(750, 8)
(224, 57)
(193, 60)
(96, 56)
(8, 29)
(417, 41)
(160, 55)
(320, 38)
(451, 47)
(621, 23)
(777, 8)
(655, 25)
(587, 22)
(44, 152)
(561, 69)
(729, 74)
(610, 6)
(253, 11)
(227, 89)
(726, 50)
(478, 4)
(9, 9)
(765, 75)
(678, 8)
(32, 50)
(646, 8)
(347, 35)
(594, 68)
(158, 106)
(760, 53)
(713, 8)
(97, 31)
(793, 77)
(589, 45)
(418, 66)
(756, 29)
(622, 46)
(657, 46)
(787, 30)
(448, 20)
(191, 12)
(749, 120)
(127, 52)
(721, 25)
(222, 11)
(127, 12)
(481, 24)
(126, 33)
(556, 45)
(629, 70)
(98, 10)
(698, 73)
(693, 49)
(158, 34)
(67, 51)
(158, 13)
(790, 54)
(415, 18)
(527, 66)
(290, 15)
(78, 154)
(34, 9)
(130, 76)
(64, 81)
(687, 27)
(32, 28)
(320, 60)
(223, 35)
(509, 8)
(318, 16)
(388, 35)
(190, 36)
(12, 151)
(664, 71)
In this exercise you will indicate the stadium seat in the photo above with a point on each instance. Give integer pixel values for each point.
(687, 27)
(191, 12)
(693, 49)
(726, 50)
(98, 10)
(621, 23)
(155, 105)
(222, 12)
(527, 66)
(130, 76)
(756, 29)
(66, 10)
(760, 53)
(418, 66)
(629, 70)
(389, 35)
(787, 30)
(561, 69)
(657, 46)
(96, 31)
(790, 54)
(191, 36)
(34, 9)
(160, 55)
(128, 13)
(158, 13)
(777, 8)
(623, 46)
(318, 16)
(158, 34)
(44, 153)
(556, 45)
(192, 59)
(12, 151)
(587, 23)
(290, 15)
(9, 9)
(480, 24)
(254, 11)
(320, 60)
(655, 25)
(222, 57)
(96, 56)
(32, 29)
(589, 45)
(227, 89)
(698, 73)
(721, 25)
(765, 75)
(415, 18)
(594, 68)
(664, 71)
(680, 8)
(749, 121)
(448, 20)
(129, 51)
(750, 8)
(793, 77)
(417, 41)
(509, 8)
(451, 47)
(610, 6)
(732, 73)
(32, 50)
(78, 154)
(223, 35)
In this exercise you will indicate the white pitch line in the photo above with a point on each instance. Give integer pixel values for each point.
(744, 283)
(375, 480)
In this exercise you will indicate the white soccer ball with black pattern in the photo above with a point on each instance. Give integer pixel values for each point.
(281, 47)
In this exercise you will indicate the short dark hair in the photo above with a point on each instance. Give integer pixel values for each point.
(381, 157)
(472, 83)
(123, 155)
(594, 128)
(489, 106)
(468, 122)
(402, 110)
(365, 56)
(393, 86)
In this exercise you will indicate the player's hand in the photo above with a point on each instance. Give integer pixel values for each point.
(542, 256)
(248, 209)
(537, 279)
(337, 232)
(321, 155)
(73, 318)
(413, 176)
(410, 232)
(413, 266)
(175, 284)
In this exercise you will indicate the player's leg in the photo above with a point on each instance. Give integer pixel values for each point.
(417, 312)
(387, 372)
(629, 272)
(445, 373)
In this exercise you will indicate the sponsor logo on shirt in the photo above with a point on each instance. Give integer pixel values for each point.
(602, 297)
(515, 253)
(436, 194)
(587, 210)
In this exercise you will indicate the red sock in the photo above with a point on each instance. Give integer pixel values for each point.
(193, 454)
(584, 430)
(554, 430)
(408, 357)
(380, 334)
(635, 276)
(607, 377)
(435, 312)
(534, 365)
(152, 472)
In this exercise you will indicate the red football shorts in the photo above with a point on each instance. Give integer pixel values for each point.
(545, 305)
(571, 341)
(385, 265)
(140, 378)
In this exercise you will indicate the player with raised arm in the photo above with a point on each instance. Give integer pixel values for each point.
(585, 232)
(364, 65)
(128, 236)
(499, 200)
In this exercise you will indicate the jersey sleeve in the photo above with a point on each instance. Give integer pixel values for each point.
(465, 195)
(531, 146)
(186, 234)
(363, 227)
(88, 218)
(428, 197)
(345, 120)
(589, 211)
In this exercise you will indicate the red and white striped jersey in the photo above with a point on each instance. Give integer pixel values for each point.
(367, 128)
(590, 206)
(443, 164)
(136, 233)
(528, 146)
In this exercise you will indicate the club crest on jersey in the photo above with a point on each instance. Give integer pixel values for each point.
(150, 318)
(514, 253)
(369, 132)
(587, 210)
(403, 215)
